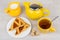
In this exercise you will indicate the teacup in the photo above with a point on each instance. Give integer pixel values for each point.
(45, 25)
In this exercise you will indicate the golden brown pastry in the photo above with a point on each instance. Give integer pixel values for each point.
(19, 25)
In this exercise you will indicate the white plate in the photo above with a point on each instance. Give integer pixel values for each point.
(22, 34)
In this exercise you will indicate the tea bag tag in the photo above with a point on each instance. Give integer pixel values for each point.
(34, 33)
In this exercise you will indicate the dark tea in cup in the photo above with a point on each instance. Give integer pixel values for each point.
(44, 23)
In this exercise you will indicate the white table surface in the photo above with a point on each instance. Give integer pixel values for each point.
(52, 5)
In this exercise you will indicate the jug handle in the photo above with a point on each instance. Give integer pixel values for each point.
(7, 10)
(46, 12)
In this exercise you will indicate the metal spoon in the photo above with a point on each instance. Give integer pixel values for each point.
(55, 18)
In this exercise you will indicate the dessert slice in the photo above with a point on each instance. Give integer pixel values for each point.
(19, 25)
(14, 25)
(21, 29)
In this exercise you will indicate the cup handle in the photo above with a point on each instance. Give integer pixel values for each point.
(46, 12)
(7, 10)
(52, 29)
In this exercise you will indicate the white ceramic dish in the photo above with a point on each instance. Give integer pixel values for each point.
(22, 34)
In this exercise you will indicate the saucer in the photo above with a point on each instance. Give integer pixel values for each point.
(22, 34)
